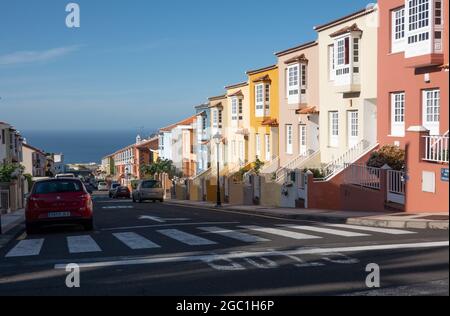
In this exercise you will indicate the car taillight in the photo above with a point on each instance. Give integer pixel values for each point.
(32, 203)
(87, 201)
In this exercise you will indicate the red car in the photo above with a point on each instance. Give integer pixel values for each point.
(122, 192)
(59, 201)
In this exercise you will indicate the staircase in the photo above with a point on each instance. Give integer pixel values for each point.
(295, 163)
(272, 166)
(349, 157)
(202, 174)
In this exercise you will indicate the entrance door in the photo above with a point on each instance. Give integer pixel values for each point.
(353, 128)
(303, 139)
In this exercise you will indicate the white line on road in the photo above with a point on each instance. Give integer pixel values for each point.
(26, 248)
(326, 231)
(117, 207)
(186, 238)
(234, 234)
(135, 241)
(169, 225)
(80, 244)
(389, 231)
(241, 255)
(281, 232)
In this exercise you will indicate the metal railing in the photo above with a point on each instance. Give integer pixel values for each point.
(363, 176)
(396, 186)
(272, 166)
(436, 148)
(295, 163)
(348, 157)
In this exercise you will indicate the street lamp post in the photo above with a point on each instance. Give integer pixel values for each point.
(217, 139)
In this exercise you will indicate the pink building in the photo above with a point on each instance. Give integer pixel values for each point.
(413, 100)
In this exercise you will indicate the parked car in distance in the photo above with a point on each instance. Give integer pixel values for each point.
(113, 188)
(102, 186)
(65, 176)
(122, 192)
(148, 190)
(59, 201)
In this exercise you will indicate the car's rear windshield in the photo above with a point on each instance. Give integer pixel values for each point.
(115, 185)
(123, 189)
(151, 184)
(102, 183)
(49, 187)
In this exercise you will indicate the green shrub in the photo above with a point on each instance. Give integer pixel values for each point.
(392, 156)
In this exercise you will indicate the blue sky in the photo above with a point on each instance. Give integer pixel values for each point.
(139, 63)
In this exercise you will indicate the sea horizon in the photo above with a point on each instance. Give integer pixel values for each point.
(87, 146)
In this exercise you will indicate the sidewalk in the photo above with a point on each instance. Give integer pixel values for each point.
(374, 219)
(11, 226)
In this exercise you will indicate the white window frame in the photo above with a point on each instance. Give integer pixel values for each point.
(293, 83)
(289, 140)
(259, 99)
(331, 63)
(398, 30)
(398, 114)
(333, 127)
(431, 100)
(419, 26)
(258, 145)
(267, 147)
(353, 128)
(215, 118)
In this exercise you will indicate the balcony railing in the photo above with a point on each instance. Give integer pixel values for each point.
(363, 176)
(436, 148)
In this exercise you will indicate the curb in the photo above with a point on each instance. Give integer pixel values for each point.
(432, 225)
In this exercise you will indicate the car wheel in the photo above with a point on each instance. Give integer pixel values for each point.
(89, 225)
(134, 200)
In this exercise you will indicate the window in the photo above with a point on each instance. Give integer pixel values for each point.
(289, 140)
(268, 149)
(418, 14)
(234, 109)
(431, 110)
(215, 118)
(356, 50)
(334, 129)
(342, 56)
(303, 76)
(331, 64)
(398, 30)
(354, 124)
(267, 96)
(438, 13)
(204, 122)
(293, 89)
(258, 145)
(398, 114)
(240, 108)
(259, 99)
(220, 118)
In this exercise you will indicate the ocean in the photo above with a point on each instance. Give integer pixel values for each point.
(81, 146)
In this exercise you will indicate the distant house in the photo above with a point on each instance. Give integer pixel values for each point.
(34, 161)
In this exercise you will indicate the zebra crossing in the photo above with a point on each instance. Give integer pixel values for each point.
(250, 235)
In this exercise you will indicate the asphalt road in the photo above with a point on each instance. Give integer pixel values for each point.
(163, 249)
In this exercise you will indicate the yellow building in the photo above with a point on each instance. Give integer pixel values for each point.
(264, 107)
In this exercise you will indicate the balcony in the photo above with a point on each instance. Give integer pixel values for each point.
(436, 149)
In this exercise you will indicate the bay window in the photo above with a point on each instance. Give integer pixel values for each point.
(234, 109)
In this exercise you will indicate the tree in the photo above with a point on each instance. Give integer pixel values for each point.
(11, 171)
(159, 167)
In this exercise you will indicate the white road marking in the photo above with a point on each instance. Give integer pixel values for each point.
(117, 207)
(135, 241)
(233, 234)
(162, 220)
(326, 231)
(242, 255)
(81, 244)
(281, 232)
(169, 225)
(186, 238)
(25, 248)
(389, 231)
